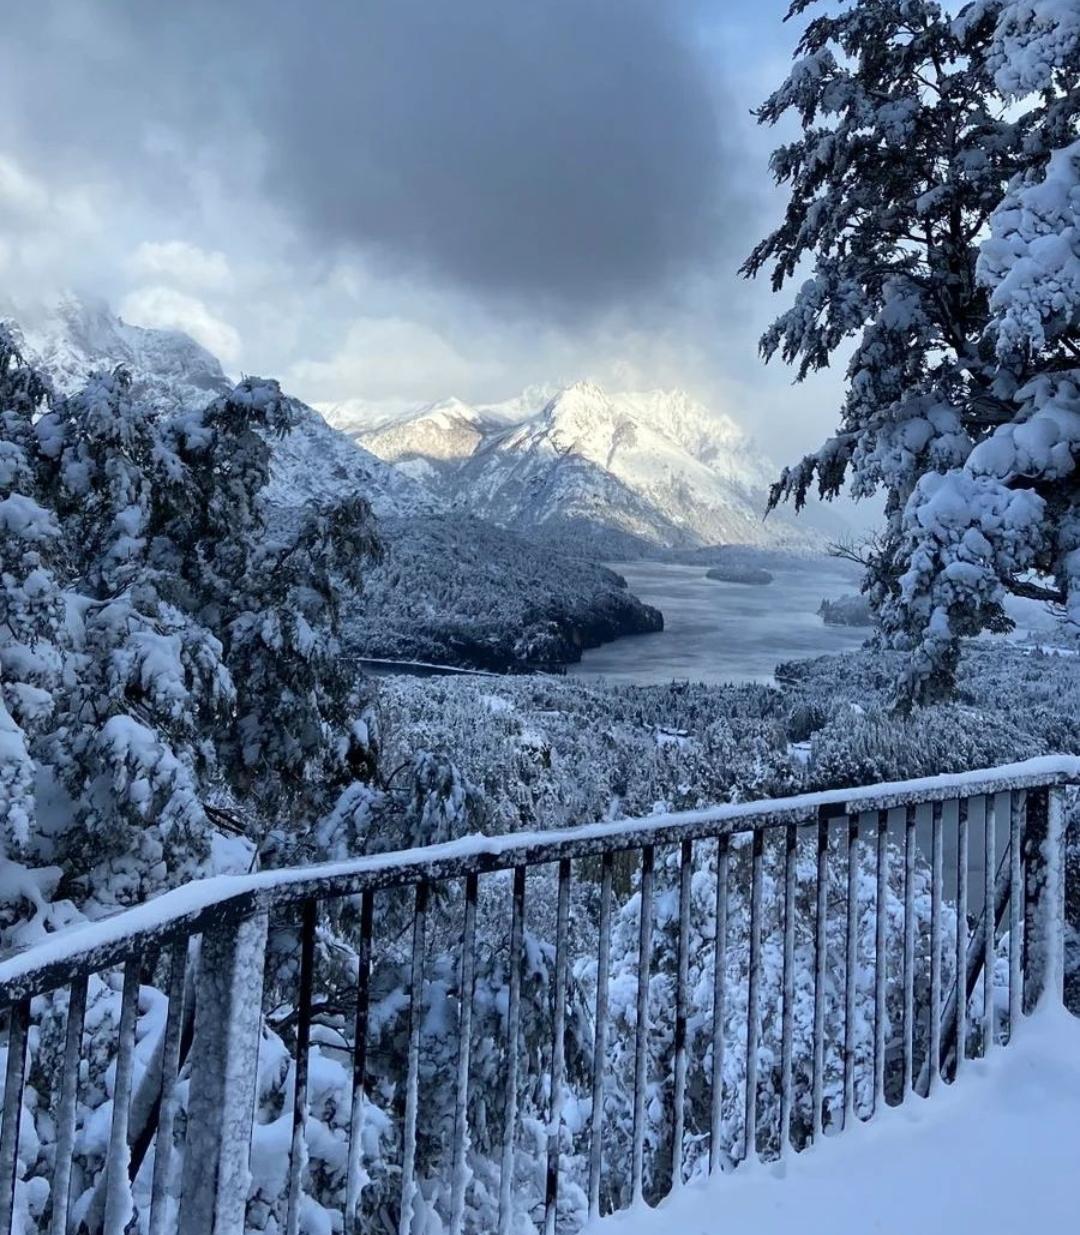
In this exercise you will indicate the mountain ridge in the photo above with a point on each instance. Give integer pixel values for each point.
(72, 338)
(657, 466)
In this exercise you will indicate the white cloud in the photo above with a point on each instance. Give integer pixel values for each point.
(169, 204)
(386, 358)
(22, 197)
(168, 309)
(177, 261)
(48, 236)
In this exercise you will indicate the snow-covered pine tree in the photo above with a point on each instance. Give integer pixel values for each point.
(162, 648)
(906, 153)
(275, 592)
(31, 631)
(153, 625)
(131, 751)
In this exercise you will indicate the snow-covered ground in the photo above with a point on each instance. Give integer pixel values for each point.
(997, 1153)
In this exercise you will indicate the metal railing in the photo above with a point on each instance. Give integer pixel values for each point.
(843, 859)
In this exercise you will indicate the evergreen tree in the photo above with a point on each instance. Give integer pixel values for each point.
(906, 154)
(31, 630)
(161, 646)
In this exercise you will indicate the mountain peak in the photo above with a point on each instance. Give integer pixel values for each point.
(586, 387)
(580, 394)
(75, 336)
(658, 466)
(581, 411)
(448, 412)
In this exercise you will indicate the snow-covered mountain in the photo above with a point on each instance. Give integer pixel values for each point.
(658, 467)
(74, 336)
(451, 589)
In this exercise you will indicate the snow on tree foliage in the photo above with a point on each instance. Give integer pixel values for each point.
(168, 648)
(934, 195)
(159, 649)
(1034, 42)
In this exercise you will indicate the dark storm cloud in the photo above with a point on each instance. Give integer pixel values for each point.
(560, 150)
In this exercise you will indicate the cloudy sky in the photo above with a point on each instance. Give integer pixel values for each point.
(397, 200)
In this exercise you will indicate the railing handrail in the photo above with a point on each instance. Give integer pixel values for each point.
(187, 910)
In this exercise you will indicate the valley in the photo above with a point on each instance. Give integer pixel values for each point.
(495, 520)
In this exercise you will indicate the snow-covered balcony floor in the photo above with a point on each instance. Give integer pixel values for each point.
(998, 1154)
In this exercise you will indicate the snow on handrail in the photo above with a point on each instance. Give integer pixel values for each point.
(189, 909)
(215, 933)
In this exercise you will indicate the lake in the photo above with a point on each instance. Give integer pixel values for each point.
(724, 632)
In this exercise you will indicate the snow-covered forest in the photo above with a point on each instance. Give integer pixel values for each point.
(191, 571)
(464, 592)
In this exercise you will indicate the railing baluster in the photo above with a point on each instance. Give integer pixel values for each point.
(461, 1096)
(851, 959)
(975, 956)
(989, 934)
(412, 1079)
(909, 952)
(513, 1020)
(821, 947)
(1044, 916)
(118, 1205)
(60, 1194)
(681, 982)
(1017, 813)
(603, 962)
(960, 998)
(641, 1051)
(791, 839)
(14, 1082)
(753, 999)
(1051, 908)
(167, 1103)
(880, 957)
(562, 920)
(359, 1064)
(224, 1070)
(298, 1149)
(723, 853)
(936, 898)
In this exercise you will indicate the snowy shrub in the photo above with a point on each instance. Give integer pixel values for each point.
(862, 748)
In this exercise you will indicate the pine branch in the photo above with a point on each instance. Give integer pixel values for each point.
(1034, 591)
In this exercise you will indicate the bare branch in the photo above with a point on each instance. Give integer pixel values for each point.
(861, 552)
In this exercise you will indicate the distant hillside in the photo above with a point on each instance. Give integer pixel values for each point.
(459, 591)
